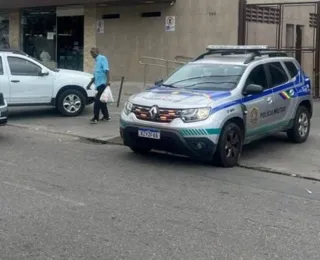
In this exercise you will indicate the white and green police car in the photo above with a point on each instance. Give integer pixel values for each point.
(212, 106)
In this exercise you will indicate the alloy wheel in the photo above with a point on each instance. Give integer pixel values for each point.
(72, 103)
(233, 145)
(303, 124)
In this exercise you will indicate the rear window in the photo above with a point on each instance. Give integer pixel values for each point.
(292, 69)
(277, 73)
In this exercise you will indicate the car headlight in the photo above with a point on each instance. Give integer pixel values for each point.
(128, 108)
(195, 114)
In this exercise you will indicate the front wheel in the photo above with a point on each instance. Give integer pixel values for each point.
(71, 103)
(229, 147)
(301, 126)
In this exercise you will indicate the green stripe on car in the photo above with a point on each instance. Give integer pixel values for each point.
(198, 132)
(267, 128)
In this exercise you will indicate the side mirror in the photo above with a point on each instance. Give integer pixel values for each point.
(44, 72)
(253, 89)
(158, 82)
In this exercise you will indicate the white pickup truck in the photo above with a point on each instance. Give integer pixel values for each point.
(25, 81)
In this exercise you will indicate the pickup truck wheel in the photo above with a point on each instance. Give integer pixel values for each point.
(71, 103)
(229, 147)
(301, 126)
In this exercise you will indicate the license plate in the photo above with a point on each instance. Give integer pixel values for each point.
(149, 133)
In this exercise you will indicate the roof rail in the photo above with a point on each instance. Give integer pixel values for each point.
(263, 53)
(252, 50)
(237, 47)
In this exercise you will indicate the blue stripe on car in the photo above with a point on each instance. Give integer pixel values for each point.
(298, 92)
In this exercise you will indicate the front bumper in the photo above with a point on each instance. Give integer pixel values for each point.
(3, 115)
(200, 148)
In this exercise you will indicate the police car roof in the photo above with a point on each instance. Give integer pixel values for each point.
(218, 59)
(244, 54)
(236, 59)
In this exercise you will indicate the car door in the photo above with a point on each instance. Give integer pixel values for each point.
(257, 124)
(4, 81)
(27, 85)
(283, 88)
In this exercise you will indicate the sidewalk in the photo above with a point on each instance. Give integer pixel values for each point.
(274, 154)
(48, 119)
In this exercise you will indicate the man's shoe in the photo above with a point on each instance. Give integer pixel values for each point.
(94, 121)
(106, 119)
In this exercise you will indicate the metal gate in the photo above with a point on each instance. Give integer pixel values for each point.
(291, 27)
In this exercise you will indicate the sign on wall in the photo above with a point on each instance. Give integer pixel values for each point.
(170, 23)
(100, 26)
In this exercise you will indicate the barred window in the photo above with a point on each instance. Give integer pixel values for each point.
(262, 14)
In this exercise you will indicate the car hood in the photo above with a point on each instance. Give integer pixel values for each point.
(177, 98)
(73, 73)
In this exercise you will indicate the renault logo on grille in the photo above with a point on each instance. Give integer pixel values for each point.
(154, 112)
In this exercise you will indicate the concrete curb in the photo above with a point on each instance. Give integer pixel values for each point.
(116, 140)
(273, 171)
(110, 140)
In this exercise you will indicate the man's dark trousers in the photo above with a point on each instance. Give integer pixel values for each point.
(98, 105)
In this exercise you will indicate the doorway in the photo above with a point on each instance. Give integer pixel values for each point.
(38, 37)
(290, 39)
(70, 37)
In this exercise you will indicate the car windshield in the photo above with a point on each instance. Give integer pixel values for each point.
(206, 76)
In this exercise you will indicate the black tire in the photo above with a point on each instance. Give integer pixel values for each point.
(79, 97)
(229, 157)
(140, 150)
(299, 133)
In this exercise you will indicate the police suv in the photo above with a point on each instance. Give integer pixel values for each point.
(225, 98)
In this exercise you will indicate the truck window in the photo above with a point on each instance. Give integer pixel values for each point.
(23, 67)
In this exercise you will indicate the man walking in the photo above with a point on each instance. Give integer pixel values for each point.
(101, 80)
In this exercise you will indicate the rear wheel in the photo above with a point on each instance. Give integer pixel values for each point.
(71, 103)
(299, 133)
(230, 146)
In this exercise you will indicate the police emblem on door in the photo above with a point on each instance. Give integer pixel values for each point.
(254, 116)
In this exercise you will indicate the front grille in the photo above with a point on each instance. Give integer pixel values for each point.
(165, 115)
(1, 100)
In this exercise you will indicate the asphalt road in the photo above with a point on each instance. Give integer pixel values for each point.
(65, 199)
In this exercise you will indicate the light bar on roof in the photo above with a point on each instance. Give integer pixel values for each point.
(237, 47)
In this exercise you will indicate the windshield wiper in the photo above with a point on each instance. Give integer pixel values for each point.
(211, 82)
(168, 86)
(201, 77)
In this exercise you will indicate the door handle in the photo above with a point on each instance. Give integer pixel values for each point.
(15, 81)
(269, 100)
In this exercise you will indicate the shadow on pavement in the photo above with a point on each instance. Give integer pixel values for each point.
(17, 113)
(268, 144)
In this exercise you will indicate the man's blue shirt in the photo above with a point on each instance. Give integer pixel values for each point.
(100, 68)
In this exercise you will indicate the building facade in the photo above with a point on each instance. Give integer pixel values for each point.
(287, 24)
(61, 33)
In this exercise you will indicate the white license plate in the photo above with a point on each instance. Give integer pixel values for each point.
(149, 133)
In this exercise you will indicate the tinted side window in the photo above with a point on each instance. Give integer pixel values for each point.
(293, 71)
(258, 77)
(1, 67)
(277, 73)
(22, 67)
